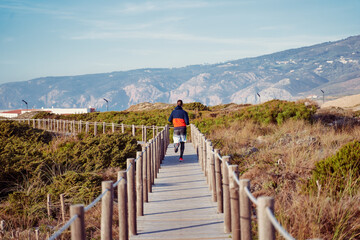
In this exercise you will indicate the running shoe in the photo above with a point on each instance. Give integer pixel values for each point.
(181, 160)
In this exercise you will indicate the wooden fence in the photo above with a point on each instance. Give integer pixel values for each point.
(133, 184)
(71, 127)
(233, 195)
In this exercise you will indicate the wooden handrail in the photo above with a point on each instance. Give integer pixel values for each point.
(149, 159)
(233, 194)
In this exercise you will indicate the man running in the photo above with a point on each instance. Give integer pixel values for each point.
(179, 118)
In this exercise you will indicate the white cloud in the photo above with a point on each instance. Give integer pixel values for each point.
(22, 6)
(161, 6)
(155, 35)
(115, 25)
(273, 43)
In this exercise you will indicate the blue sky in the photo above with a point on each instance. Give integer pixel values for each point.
(40, 38)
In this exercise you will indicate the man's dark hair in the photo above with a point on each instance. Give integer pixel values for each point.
(179, 102)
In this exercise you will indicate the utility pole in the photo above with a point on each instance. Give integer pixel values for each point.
(107, 104)
(26, 104)
(259, 97)
(323, 95)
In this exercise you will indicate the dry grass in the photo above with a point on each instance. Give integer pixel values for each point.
(279, 159)
(47, 226)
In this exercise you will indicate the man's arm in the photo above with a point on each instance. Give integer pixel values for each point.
(186, 118)
(171, 117)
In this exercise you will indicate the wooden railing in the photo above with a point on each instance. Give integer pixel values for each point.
(133, 184)
(72, 127)
(233, 195)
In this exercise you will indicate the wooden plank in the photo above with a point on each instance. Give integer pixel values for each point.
(180, 205)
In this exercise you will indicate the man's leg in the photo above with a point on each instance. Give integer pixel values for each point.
(182, 148)
(176, 137)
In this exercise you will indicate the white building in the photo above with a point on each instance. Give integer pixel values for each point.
(60, 111)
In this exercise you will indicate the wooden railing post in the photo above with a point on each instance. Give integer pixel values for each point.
(78, 226)
(2, 226)
(219, 191)
(208, 159)
(95, 128)
(112, 127)
(62, 204)
(158, 152)
(145, 134)
(266, 229)
(131, 196)
(213, 176)
(122, 128)
(227, 210)
(107, 210)
(104, 127)
(74, 127)
(48, 205)
(153, 159)
(145, 161)
(201, 162)
(204, 154)
(149, 167)
(245, 210)
(80, 126)
(87, 128)
(168, 135)
(123, 207)
(37, 237)
(156, 155)
(162, 146)
(139, 185)
(142, 133)
(133, 130)
(234, 202)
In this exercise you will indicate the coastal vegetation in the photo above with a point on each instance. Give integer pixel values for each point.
(305, 157)
(35, 163)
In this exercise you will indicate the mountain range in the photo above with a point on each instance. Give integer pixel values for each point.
(330, 67)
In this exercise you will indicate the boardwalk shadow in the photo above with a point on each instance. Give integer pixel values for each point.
(182, 210)
(182, 228)
(174, 160)
(176, 199)
(176, 190)
(182, 175)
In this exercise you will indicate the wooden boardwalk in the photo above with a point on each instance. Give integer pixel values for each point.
(180, 205)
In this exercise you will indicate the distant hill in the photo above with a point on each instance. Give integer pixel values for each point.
(332, 67)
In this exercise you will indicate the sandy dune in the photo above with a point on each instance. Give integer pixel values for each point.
(349, 102)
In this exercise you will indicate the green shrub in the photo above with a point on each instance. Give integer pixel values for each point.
(22, 149)
(80, 187)
(96, 153)
(340, 172)
(277, 111)
(195, 106)
(45, 115)
(32, 166)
